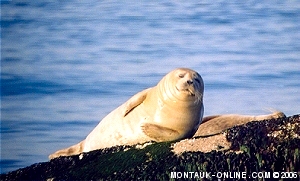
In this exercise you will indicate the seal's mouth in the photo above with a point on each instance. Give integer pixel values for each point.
(189, 91)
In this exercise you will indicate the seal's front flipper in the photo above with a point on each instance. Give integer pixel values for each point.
(134, 101)
(159, 133)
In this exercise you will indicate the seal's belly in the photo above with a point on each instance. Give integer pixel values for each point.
(115, 129)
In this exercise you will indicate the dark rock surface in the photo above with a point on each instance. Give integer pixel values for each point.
(266, 146)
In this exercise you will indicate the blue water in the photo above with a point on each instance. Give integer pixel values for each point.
(66, 64)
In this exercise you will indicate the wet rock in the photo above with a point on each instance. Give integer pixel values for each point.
(266, 146)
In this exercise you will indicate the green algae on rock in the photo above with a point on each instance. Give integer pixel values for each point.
(257, 147)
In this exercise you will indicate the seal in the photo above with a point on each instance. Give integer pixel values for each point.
(171, 110)
(212, 125)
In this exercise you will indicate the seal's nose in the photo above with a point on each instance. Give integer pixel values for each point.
(189, 82)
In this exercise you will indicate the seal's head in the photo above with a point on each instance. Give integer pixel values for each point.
(183, 84)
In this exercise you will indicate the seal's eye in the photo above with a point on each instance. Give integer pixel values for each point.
(197, 80)
(181, 76)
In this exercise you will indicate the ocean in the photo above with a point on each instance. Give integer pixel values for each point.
(67, 64)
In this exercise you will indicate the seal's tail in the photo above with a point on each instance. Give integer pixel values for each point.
(72, 150)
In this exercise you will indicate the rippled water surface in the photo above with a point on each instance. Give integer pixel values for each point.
(66, 64)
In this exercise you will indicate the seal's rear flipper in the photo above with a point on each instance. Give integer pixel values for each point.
(73, 150)
(159, 133)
